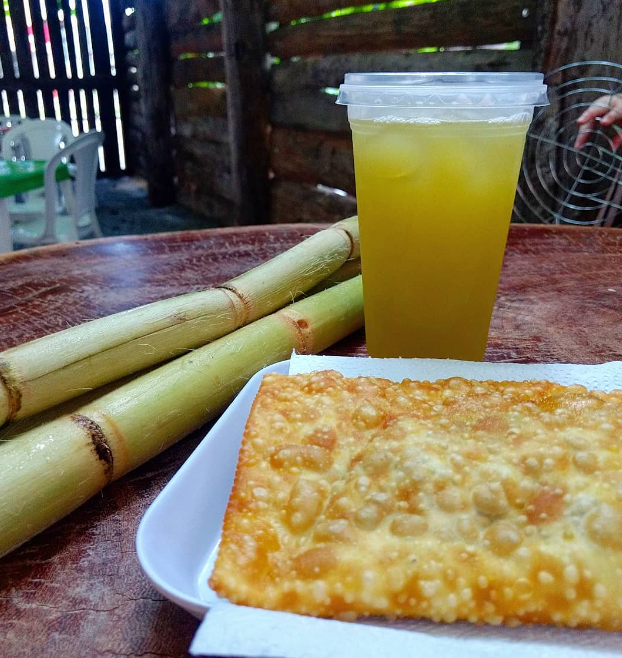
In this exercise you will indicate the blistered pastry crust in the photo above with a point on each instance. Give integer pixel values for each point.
(495, 502)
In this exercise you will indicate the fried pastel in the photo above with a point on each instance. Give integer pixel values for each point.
(496, 502)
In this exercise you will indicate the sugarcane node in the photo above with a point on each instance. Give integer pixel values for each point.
(13, 392)
(303, 339)
(98, 439)
(242, 314)
(343, 227)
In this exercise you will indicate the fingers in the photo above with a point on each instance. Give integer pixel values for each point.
(613, 116)
(584, 133)
(616, 142)
(608, 110)
(598, 108)
(591, 113)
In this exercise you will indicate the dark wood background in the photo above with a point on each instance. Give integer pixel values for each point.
(308, 170)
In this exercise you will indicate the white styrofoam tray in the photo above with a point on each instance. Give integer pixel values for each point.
(178, 536)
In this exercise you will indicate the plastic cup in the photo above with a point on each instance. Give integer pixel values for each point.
(436, 158)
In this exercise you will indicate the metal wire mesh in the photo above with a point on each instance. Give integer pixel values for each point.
(560, 184)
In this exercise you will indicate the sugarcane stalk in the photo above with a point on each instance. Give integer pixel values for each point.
(44, 372)
(348, 270)
(49, 470)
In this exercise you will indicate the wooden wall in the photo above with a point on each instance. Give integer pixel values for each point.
(201, 148)
(309, 46)
(135, 124)
(311, 149)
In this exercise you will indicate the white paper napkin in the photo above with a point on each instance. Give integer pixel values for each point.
(230, 630)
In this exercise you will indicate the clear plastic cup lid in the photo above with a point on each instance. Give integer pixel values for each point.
(450, 89)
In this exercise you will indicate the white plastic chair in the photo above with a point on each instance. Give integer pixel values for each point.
(36, 140)
(6, 123)
(81, 220)
(11, 121)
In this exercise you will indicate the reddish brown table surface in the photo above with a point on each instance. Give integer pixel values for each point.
(77, 590)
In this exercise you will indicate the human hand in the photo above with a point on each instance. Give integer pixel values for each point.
(609, 109)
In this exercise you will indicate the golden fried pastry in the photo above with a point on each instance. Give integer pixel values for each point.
(496, 502)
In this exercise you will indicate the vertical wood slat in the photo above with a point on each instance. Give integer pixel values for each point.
(55, 39)
(69, 35)
(22, 49)
(84, 52)
(102, 68)
(90, 109)
(72, 55)
(13, 104)
(154, 81)
(58, 56)
(243, 29)
(42, 59)
(5, 52)
(117, 10)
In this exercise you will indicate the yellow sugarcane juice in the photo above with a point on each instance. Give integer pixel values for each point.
(443, 194)
(435, 188)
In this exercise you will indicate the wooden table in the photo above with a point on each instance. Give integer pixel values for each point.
(77, 590)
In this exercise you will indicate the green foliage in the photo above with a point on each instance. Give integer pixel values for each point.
(209, 20)
(206, 85)
(381, 6)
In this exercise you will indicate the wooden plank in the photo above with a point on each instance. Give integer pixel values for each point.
(202, 39)
(205, 128)
(545, 13)
(71, 46)
(129, 21)
(211, 206)
(308, 109)
(284, 11)
(600, 36)
(22, 50)
(243, 29)
(129, 40)
(5, 52)
(99, 38)
(329, 71)
(205, 165)
(182, 16)
(42, 60)
(313, 157)
(134, 139)
(84, 53)
(199, 101)
(207, 153)
(299, 202)
(111, 144)
(102, 70)
(447, 23)
(135, 111)
(136, 123)
(131, 58)
(12, 101)
(63, 101)
(96, 82)
(58, 58)
(89, 113)
(154, 82)
(198, 69)
(132, 77)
